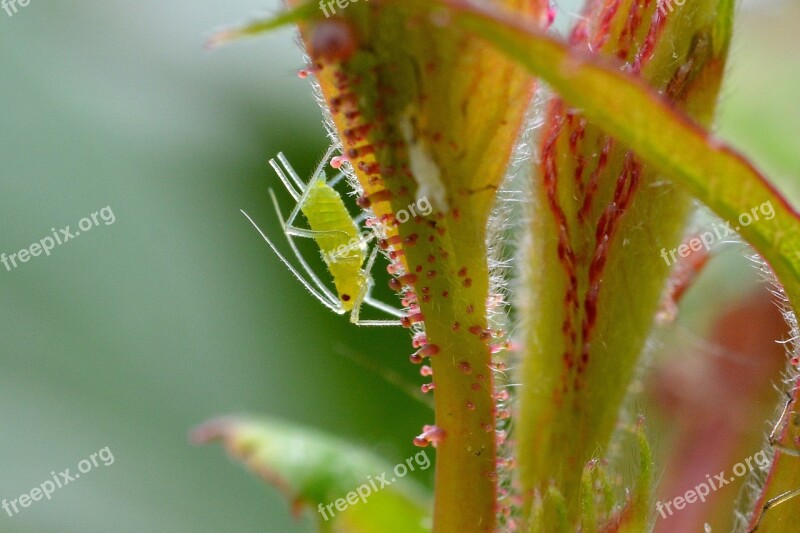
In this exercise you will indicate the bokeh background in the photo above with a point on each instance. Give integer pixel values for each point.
(135, 332)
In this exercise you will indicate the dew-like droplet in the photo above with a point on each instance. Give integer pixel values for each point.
(426, 371)
(430, 350)
(427, 387)
(419, 340)
(551, 16)
(338, 161)
(408, 279)
(430, 435)
(408, 321)
(501, 439)
(333, 40)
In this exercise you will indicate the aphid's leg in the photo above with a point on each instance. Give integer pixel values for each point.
(318, 289)
(336, 179)
(386, 308)
(774, 437)
(368, 299)
(288, 226)
(364, 297)
(359, 244)
(285, 180)
(305, 188)
(773, 502)
(292, 173)
(317, 172)
(288, 229)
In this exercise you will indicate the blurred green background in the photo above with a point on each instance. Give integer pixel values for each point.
(135, 332)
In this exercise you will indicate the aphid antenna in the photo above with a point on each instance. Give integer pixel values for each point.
(321, 286)
(323, 295)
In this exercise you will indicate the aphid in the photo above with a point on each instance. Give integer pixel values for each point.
(343, 247)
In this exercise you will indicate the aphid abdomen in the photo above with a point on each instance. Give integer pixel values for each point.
(339, 242)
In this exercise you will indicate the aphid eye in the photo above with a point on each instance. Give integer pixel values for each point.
(332, 40)
(345, 297)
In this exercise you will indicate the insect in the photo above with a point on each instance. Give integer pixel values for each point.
(336, 232)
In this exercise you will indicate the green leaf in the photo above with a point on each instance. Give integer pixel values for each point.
(593, 273)
(662, 136)
(316, 470)
(258, 26)
(675, 146)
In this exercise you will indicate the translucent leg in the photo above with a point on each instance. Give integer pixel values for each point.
(312, 276)
(285, 180)
(774, 437)
(301, 197)
(364, 297)
(336, 179)
(317, 172)
(777, 500)
(288, 229)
